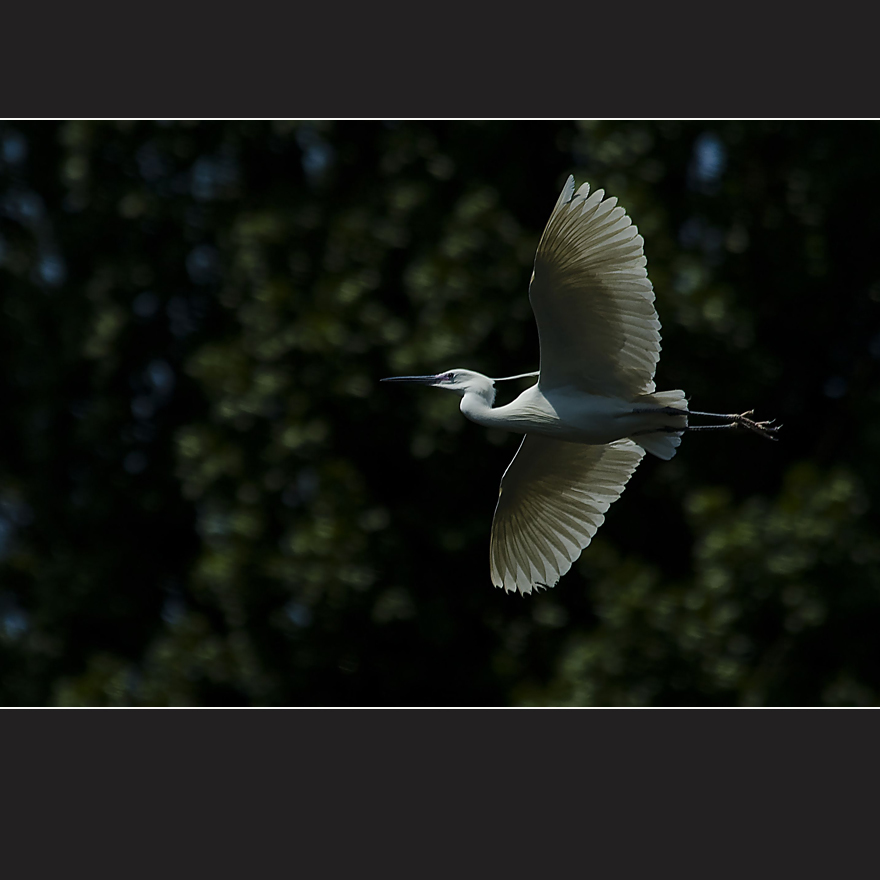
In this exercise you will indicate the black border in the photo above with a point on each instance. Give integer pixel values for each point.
(390, 62)
(718, 793)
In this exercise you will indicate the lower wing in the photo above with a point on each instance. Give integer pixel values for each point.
(552, 500)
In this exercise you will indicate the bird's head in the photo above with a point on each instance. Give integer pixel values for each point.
(460, 381)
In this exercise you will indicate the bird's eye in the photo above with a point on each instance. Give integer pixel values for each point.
(449, 377)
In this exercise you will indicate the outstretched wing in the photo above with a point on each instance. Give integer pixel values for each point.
(553, 498)
(592, 299)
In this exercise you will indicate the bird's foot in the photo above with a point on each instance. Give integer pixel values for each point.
(765, 429)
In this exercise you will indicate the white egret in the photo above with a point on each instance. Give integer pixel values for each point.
(593, 412)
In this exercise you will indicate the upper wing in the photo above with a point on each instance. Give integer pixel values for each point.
(592, 299)
(553, 498)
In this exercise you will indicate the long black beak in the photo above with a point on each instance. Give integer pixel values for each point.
(417, 380)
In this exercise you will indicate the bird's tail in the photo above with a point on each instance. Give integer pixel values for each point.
(661, 443)
(675, 399)
(664, 443)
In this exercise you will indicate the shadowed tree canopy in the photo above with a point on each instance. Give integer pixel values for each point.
(207, 498)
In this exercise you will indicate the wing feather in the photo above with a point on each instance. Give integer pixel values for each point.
(553, 499)
(592, 299)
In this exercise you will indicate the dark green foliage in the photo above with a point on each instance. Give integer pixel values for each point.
(206, 498)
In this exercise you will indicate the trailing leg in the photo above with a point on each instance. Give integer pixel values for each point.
(737, 420)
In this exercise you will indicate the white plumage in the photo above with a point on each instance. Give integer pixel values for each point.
(553, 498)
(592, 299)
(594, 411)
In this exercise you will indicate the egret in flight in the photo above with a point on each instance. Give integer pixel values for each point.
(594, 412)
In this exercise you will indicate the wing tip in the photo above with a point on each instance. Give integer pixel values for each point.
(566, 195)
(512, 585)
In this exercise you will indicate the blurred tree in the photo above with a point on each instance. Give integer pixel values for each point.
(206, 498)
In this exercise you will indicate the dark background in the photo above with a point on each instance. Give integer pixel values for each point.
(206, 498)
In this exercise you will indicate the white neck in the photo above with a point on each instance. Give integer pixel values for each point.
(531, 411)
(477, 406)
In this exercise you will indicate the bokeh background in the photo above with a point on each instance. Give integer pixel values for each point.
(206, 498)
